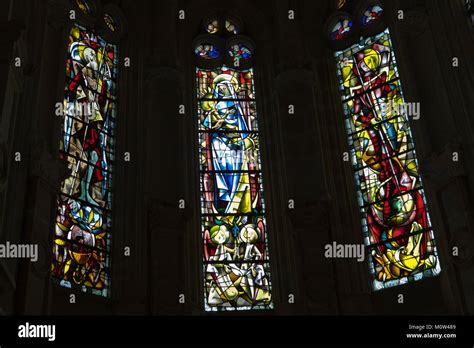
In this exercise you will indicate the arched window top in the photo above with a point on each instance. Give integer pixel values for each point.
(223, 44)
(107, 21)
(345, 27)
(223, 25)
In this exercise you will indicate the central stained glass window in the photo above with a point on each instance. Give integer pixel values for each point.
(233, 224)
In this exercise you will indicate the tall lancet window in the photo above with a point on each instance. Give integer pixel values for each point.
(396, 224)
(235, 263)
(81, 250)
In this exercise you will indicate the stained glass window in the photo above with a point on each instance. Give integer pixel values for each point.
(231, 27)
(239, 51)
(340, 3)
(83, 6)
(207, 51)
(81, 251)
(109, 21)
(372, 13)
(341, 29)
(395, 219)
(233, 224)
(212, 26)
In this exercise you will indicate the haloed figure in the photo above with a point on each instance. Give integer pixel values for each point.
(254, 281)
(224, 275)
(84, 139)
(230, 147)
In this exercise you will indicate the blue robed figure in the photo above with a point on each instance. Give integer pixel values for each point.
(228, 146)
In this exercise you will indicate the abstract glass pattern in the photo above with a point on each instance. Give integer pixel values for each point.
(207, 51)
(395, 219)
(234, 230)
(81, 251)
(371, 14)
(341, 29)
(239, 51)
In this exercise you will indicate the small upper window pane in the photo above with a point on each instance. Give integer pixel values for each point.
(231, 27)
(239, 51)
(341, 29)
(207, 51)
(84, 6)
(372, 14)
(110, 22)
(212, 26)
(340, 4)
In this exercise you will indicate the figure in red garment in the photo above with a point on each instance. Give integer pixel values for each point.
(88, 139)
